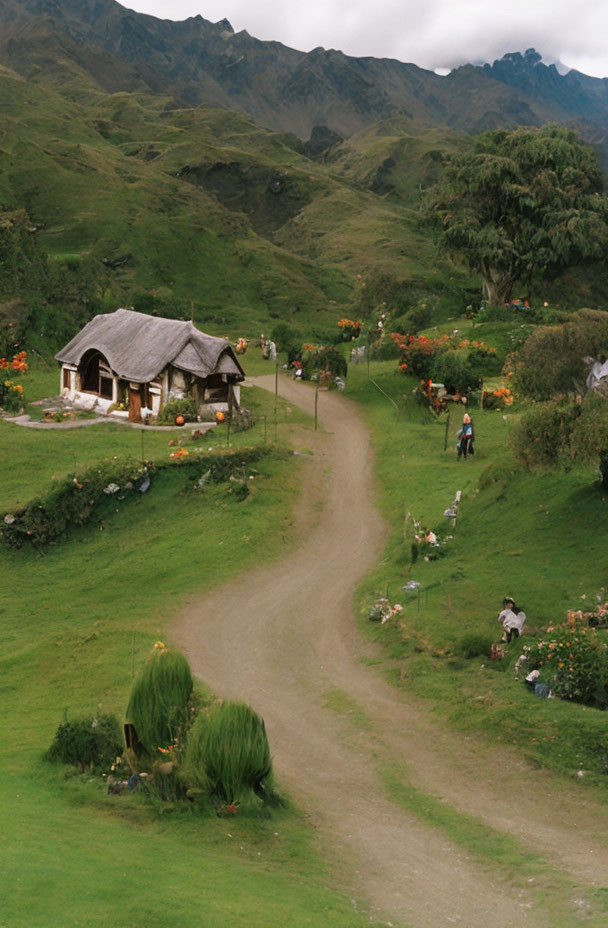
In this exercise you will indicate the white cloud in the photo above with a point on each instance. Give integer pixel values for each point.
(430, 33)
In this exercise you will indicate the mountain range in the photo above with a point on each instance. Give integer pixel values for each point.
(198, 62)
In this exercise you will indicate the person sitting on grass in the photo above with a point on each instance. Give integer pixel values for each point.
(512, 618)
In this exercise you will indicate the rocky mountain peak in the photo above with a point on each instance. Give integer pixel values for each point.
(225, 26)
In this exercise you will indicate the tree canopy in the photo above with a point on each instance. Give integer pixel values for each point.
(522, 204)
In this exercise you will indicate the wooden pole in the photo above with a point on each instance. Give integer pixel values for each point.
(276, 397)
(447, 426)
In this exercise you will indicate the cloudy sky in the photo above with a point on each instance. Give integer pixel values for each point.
(435, 34)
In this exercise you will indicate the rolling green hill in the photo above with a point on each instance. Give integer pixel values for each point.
(164, 207)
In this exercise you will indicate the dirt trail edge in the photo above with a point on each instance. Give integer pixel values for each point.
(284, 637)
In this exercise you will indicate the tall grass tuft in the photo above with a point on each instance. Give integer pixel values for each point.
(158, 705)
(228, 752)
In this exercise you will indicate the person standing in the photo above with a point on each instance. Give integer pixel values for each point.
(466, 437)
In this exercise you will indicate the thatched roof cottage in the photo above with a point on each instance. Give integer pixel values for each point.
(141, 362)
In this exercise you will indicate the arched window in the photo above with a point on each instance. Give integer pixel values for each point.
(96, 375)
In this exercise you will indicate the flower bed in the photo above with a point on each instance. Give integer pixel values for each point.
(572, 659)
(382, 610)
(456, 362)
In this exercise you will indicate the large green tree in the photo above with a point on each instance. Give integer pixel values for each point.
(521, 205)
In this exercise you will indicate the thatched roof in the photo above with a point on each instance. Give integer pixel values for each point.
(138, 347)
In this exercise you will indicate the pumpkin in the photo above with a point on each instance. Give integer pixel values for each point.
(179, 420)
(220, 416)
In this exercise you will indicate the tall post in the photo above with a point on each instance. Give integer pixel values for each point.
(447, 426)
(276, 385)
(276, 396)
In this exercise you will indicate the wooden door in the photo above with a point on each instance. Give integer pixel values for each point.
(134, 405)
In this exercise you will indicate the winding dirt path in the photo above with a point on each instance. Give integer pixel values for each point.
(284, 638)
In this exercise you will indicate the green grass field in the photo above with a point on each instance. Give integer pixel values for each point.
(77, 619)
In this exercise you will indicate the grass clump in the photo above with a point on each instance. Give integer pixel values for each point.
(228, 753)
(473, 644)
(87, 743)
(185, 407)
(158, 704)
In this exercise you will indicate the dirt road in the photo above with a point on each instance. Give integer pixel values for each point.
(284, 639)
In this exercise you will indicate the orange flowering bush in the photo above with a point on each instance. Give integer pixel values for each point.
(480, 347)
(497, 399)
(573, 659)
(458, 363)
(18, 364)
(11, 393)
(418, 352)
(350, 328)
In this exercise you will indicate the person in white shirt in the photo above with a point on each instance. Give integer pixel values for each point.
(512, 619)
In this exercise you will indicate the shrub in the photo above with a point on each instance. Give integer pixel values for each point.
(11, 392)
(287, 338)
(92, 742)
(317, 358)
(457, 370)
(158, 704)
(228, 752)
(558, 432)
(497, 399)
(573, 660)
(473, 644)
(418, 352)
(349, 329)
(552, 359)
(242, 419)
(185, 407)
(384, 349)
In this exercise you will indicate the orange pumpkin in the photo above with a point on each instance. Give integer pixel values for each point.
(220, 416)
(179, 420)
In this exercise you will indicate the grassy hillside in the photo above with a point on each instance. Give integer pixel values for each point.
(163, 208)
(538, 537)
(397, 158)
